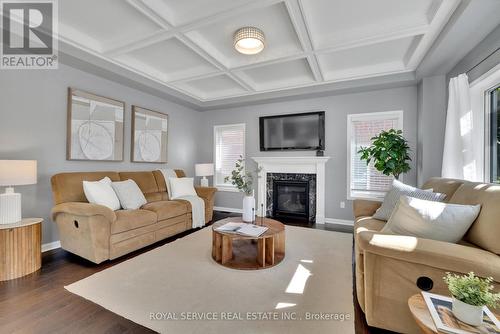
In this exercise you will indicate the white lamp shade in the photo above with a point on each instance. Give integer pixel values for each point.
(204, 169)
(17, 172)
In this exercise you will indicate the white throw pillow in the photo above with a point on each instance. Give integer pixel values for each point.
(431, 220)
(129, 194)
(101, 192)
(399, 189)
(183, 186)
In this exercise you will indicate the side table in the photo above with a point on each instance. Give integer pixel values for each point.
(20, 248)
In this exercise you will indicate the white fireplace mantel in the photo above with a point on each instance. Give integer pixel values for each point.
(302, 165)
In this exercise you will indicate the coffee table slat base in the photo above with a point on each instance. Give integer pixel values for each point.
(248, 253)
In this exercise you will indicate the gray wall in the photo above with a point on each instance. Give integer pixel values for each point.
(337, 108)
(33, 126)
(481, 59)
(431, 123)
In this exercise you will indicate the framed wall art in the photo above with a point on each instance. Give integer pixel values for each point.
(149, 135)
(95, 127)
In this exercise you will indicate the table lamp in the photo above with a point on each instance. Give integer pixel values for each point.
(204, 170)
(14, 173)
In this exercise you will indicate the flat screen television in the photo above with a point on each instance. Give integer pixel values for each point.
(304, 131)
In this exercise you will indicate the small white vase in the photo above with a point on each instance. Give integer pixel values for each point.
(470, 314)
(248, 209)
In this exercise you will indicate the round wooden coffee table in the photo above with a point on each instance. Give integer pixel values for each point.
(247, 253)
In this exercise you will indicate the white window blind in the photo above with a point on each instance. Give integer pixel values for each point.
(364, 181)
(229, 146)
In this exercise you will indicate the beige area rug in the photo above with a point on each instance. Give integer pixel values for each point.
(179, 282)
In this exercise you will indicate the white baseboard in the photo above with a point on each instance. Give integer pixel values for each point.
(221, 208)
(50, 246)
(339, 221)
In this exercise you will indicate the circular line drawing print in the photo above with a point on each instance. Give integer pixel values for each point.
(96, 141)
(149, 146)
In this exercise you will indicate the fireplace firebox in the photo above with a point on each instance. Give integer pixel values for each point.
(291, 199)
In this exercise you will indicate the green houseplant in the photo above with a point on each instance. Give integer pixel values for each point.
(243, 181)
(470, 293)
(389, 152)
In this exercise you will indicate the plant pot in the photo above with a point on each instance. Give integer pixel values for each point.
(470, 314)
(248, 209)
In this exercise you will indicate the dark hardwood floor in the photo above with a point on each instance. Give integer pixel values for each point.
(38, 303)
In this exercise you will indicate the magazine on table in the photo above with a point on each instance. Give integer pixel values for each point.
(245, 229)
(440, 308)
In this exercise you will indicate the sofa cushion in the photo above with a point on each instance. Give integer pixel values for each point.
(129, 194)
(181, 187)
(399, 189)
(68, 187)
(102, 193)
(431, 220)
(444, 186)
(162, 185)
(131, 219)
(485, 232)
(146, 182)
(166, 209)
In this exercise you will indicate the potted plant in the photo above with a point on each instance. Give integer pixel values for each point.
(470, 294)
(244, 183)
(389, 152)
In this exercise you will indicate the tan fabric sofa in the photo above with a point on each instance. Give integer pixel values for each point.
(388, 266)
(98, 234)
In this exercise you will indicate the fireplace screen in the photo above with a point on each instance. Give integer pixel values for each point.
(291, 199)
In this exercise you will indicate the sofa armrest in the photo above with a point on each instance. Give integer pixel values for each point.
(365, 208)
(208, 195)
(206, 192)
(83, 209)
(438, 254)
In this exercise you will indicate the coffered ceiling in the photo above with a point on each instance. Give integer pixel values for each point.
(187, 45)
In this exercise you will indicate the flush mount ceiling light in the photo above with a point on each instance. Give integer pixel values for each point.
(249, 40)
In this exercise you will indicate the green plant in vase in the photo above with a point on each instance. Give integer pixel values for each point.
(470, 293)
(389, 152)
(243, 181)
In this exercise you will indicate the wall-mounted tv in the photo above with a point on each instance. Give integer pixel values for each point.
(304, 131)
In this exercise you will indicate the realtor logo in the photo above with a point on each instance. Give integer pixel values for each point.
(29, 30)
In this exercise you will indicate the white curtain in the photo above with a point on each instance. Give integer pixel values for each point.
(462, 144)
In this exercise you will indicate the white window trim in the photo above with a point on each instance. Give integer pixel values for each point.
(227, 187)
(367, 116)
(479, 90)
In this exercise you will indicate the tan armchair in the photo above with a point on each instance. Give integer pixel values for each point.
(390, 268)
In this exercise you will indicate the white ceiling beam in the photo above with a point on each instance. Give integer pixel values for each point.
(279, 60)
(150, 13)
(313, 62)
(116, 49)
(440, 18)
(241, 9)
(375, 39)
(241, 82)
(212, 60)
(120, 47)
(195, 77)
(299, 22)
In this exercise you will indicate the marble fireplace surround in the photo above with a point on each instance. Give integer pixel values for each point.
(293, 165)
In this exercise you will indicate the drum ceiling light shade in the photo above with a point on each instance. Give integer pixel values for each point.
(249, 40)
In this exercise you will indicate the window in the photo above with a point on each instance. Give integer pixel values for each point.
(229, 146)
(365, 181)
(494, 106)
